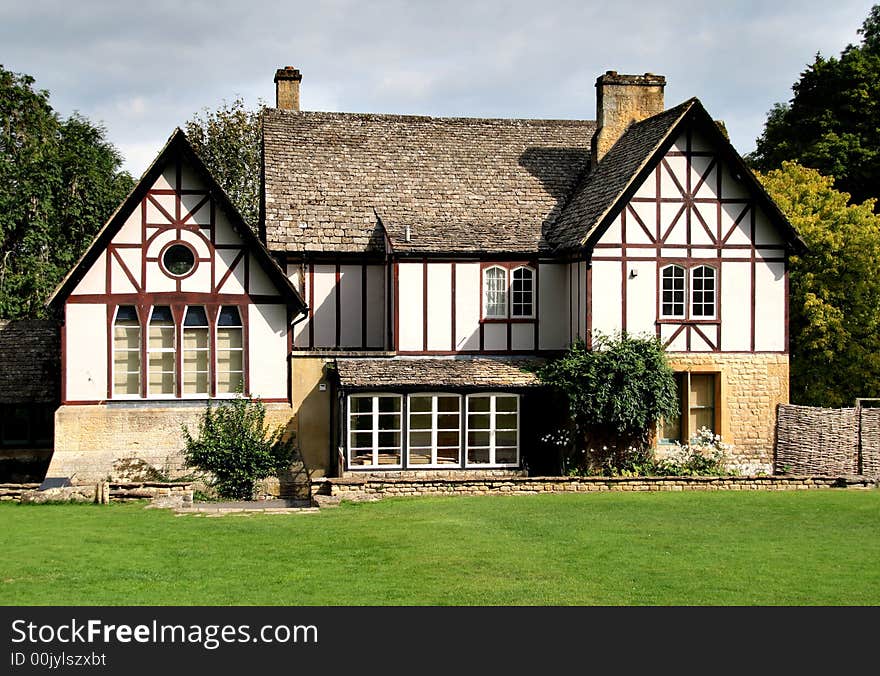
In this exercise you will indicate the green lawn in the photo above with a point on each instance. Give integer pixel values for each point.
(794, 548)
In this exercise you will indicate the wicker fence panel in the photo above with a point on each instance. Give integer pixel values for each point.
(870, 426)
(811, 440)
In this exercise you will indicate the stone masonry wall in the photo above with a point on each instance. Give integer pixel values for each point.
(374, 489)
(93, 443)
(752, 385)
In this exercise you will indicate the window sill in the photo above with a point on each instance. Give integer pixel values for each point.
(683, 320)
(508, 320)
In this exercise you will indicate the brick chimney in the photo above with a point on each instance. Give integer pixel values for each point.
(287, 81)
(620, 101)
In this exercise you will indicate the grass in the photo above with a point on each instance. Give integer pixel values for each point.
(690, 548)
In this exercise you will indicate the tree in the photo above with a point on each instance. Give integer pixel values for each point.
(834, 304)
(833, 121)
(59, 182)
(616, 393)
(237, 447)
(228, 140)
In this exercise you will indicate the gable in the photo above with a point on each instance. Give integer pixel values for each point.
(176, 206)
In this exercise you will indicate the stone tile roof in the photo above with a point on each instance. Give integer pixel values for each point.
(30, 369)
(469, 372)
(602, 187)
(457, 184)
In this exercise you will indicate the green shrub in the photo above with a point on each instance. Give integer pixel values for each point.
(705, 455)
(236, 447)
(615, 393)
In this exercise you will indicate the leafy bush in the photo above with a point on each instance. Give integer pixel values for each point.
(615, 394)
(237, 447)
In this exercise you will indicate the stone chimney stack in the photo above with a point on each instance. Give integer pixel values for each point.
(287, 81)
(620, 101)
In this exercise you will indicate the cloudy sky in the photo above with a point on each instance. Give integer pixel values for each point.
(143, 68)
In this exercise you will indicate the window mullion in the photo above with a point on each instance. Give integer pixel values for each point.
(375, 417)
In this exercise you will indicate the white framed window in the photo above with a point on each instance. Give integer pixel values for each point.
(522, 287)
(697, 397)
(673, 285)
(492, 430)
(196, 352)
(230, 351)
(161, 352)
(434, 430)
(495, 293)
(703, 292)
(126, 352)
(375, 430)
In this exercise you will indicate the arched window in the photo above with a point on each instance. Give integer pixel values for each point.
(703, 292)
(196, 352)
(672, 302)
(126, 352)
(161, 351)
(495, 293)
(523, 293)
(230, 351)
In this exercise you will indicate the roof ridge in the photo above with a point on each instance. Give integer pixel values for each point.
(407, 117)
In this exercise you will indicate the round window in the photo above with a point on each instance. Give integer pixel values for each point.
(178, 260)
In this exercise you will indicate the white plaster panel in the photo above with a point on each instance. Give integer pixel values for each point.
(467, 306)
(678, 165)
(495, 337)
(95, 280)
(224, 233)
(522, 337)
(704, 253)
(267, 350)
(202, 216)
(680, 144)
(641, 253)
(737, 253)
(699, 164)
(130, 232)
(167, 202)
(770, 253)
(551, 311)
(158, 281)
(375, 306)
(86, 357)
(582, 299)
(199, 281)
(641, 297)
(648, 214)
(680, 342)
(235, 282)
(154, 248)
(132, 260)
(612, 234)
(260, 283)
(765, 233)
(350, 305)
(613, 252)
(410, 313)
(635, 234)
(729, 214)
(301, 328)
(167, 179)
(668, 212)
(648, 188)
(700, 142)
(606, 298)
(325, 305)
(197, 242)
(119, 282)
(732, 188)
(673, 253)
(770, 306)
(572, 300)
(736, 294)
(439, 306)
(189, 179)
(710, 218)
(698, 343)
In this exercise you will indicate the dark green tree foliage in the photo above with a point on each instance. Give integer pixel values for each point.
(616, 393)
(228, 140)
(834, 305)
(59, 182)
(237, 447)
(833, 121)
